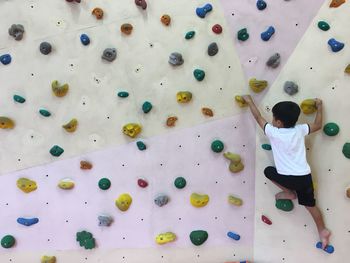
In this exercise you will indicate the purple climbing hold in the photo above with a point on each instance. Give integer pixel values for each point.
(335, 45)
(266, 35)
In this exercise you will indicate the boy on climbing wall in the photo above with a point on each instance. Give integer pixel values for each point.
(292, 173)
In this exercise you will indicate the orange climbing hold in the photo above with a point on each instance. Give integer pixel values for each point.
(170, 122)
(165, 19)
(6, 123)
(336, 3)
(85, 165)
(97, 12)
(126, 28)
(207, 112)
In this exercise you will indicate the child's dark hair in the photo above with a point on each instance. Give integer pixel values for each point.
(287, 112)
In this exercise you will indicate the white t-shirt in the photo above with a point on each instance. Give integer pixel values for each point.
(288, 148)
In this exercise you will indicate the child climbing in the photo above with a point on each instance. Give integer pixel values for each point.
(292, 173)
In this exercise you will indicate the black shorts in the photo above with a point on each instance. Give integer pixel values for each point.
(302, 185)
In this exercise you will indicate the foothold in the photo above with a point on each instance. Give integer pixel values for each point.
(284, 204)
(308, 106)
(207, 112)
(123, 94)
(56, 151)
(48, 259)
(348, 192)
(165, 19)
(175, 59)
(180, 182)
(126, 28)
(97, 12)
(266, 35)
(290, 87)
(335, 45)
(164, 238)
(85, 165)
(198, 237)
(347, 69)
(104, 183)
(27, 221)
(142, 183)
(198, 200)
(202, 11)
(234, 200)
(16, 31)
(45, 48)
(199, 74)
(141, 3)
(266, 147)
(274, 61)
(123, 202)
(346, 150)
(66, 184)
(240, 101)
(105, 220)
(132, 129)
(85, 239)
(233, 235)
(213, 49)
(217, 146)
(261, 4)
(5, 59)
(323, 25)
(141, 146)
(331, 129)
(59, 90)
(8, 241)
(84, 39)
(217, 29)
(146, 107)
(336, 3)
(329, 248)
(170, 122)
(242, 34)
(44, 113)
(71, 126)
(161, 200)
(184, 96)
(26, 185)
(236, 164)
(190, 34)
(257, 85)
(109, 54)
(6, 123)
(266, 220)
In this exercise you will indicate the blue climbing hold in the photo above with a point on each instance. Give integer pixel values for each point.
(329, 248)
(202, 11)
(85, 40)
(266, 35)
(335, 45)
(27, 221)
(5, 59)
(261, 4)
(233, 235)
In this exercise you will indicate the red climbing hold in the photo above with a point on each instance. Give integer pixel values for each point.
(142, 183)
(266, 220)
(217, 29)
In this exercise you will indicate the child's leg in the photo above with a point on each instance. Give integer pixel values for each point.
(271, 173)
(323, 232)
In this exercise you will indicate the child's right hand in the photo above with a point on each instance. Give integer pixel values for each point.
(318, 102)
(247, 98)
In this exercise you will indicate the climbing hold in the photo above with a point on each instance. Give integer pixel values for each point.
(5, 59)
(76, 1)
(85, 239)
(217, 29)
(207, 112)
(199, 74)
(335, 45)
(236, 164)
(274, 61)
(184, 96)
(180, 182)
(123, 94)
(45, 48)
(85, 165)
(290, 87)
(329, 248)
(217, 146)
(44, 113)
(146, 107)
(123, 202)
(97, 12)
(26, 185)
(48, 259)
(84, 39)
(132, 129)
(142, 183)
(170, 122)
(233, 235)
(161, 200)
(71, 126)
(199, 200)
(56, 151)
(266, 35)
(257, 85)
(141, 146)
(347, 69)
(284, 204)
(8, 241)
(213, 49)
(346, 150)
(27, 221)
(109, 54)
(19, 99)
(66, 184)
(261, 4)
(175, 59)
(141, 3)
(198, 237)
(190, 34)
(242, 34)
(323, 25)
(105, 220)
(59, 90)
(348, 192)
(6, 123)
(308, 106)
(104, 183)
(331, 129)
(336, 3)
(165, 19)
(266, 147)
(235, 200)
(126, 28)
(266, 220)
(16, 31)
(202, 11)
(240, 101)
(164, 238)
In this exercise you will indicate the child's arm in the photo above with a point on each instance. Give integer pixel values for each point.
(256, 113)
(317, 125)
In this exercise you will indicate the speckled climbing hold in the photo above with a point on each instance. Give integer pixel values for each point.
(142, 183)
(217, 146)
(331, 129)
(109, 54)
(45, 48)
(323, 25)
(184, 96)
(170, 122)
(190, 34)
(308, 106)
(85, 239)
(126, 28)
(234, 200)
(85, 165)
(242, 34)
(97, 12)
(257, 85)
(284, 205)
(27, 221)
(123, 202)
(26, 185)
(66, 184)
(347, 69)
(240, 101)
(8, 241)
(105, 220)
(266, 220)
(141, 146)
(56, 151)
(123, 94)
(147, 107)
(16, 31)
(274, 61)
(44, 113)
(59, 90)
(266, 35)
(336, 3)
(290, 87)
(348, 192)
(84, 39)
(207, 112)
(164, 238)
(199, 74)
(5, 59)
(198, 200)
(165, 19)
(346, 150)
(335, 45)
(233, 235)
(132, 129)
(141, 3)
(161, 200)
(213, 49)
(18, 99)
(180, 182)
(198, 237)
(329, 248)
(236, 164)
(202, 11)
(71, 126)
(6, 123)
(175, 59)
(261, 4)
(48, 259)
(104, 183)
(217, 29)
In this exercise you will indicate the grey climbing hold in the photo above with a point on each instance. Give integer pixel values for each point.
(105, 220)
(213, 49)
(45, 48)
(176, 59)
(109, 54)
(274, 61)
(161, 200)
(290, 87)
(16, 31)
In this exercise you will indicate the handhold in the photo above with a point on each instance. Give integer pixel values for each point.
(331, 129)
(48, 259)
(141, 3)
(347, 69)
(290, 87)
(348, 192)
(266, 147)
(329, 248)
(109, 54)
(180, 182)
(202, 11)
(236, 164)
(240, 101)
(284, 204)
(44, 113)
(84, 39)
(19, 99)
(266, 220)
(85, 165)
(346, 150)
(59, 90)
(5, 59)
(213, 49)
(175, 59)
(217, 29)
(184, 96)
(274, 61)
(146, 107)
(308, 106)
(132, 129)
(66, 184)
(56, 151)
(71, 126)
(6, 123)
(199, 200)
(126, 28)
(165, 19)
(336, 3)
(45, 48)
(85, 239)
(198, 237)
(257, 85)
(233, 235)
(8, 241)
(164, 238)
(123, 94)
(16, 31)
(170, 122)
(105, 220)
(141, 146)
(217, 146)
(199, 74)
(242, 34)
(104, 183)
(97, 12)
(142, 183)
(266, 35)
(76, 1)
(235, 200)
(26, 185)
(190, 34)
(207, 112)
(335, 45)
(161, 200)
(323, 25)
(123, 202)
(261, 4)
(27, 221)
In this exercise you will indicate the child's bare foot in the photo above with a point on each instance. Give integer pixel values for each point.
(286, 195)
(324, 237)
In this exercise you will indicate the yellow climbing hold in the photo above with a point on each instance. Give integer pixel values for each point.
(236, 164)
(26, 185)
(240, 101)
(71, 126)
(132, 129)
(235, 200)
(257, 85)
(183, 96)
(164, 238)
(199, 200)
(59, 90)
(66, 184)
(308, 106)
(123, 202)
(347, 69)
(48, 259)
(6, 123)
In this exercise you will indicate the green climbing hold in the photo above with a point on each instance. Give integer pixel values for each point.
(331, 129)
(180, 182)
(45, 113)
(146, 107)
(56, 151)
(104, 183)
(141, 146)
(199, 74)
(266, 147)
(8, 241)
(123, 94)
(19, 99)
(198, 237)
(217, 146)
(284, 204)
(190, 34)
(85, 239)
(242, 34)
(323, 25)
(346, 150)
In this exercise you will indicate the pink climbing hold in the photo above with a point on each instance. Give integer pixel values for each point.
(142, 183)
(217, 29)
(266, 220)
(141, 3)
